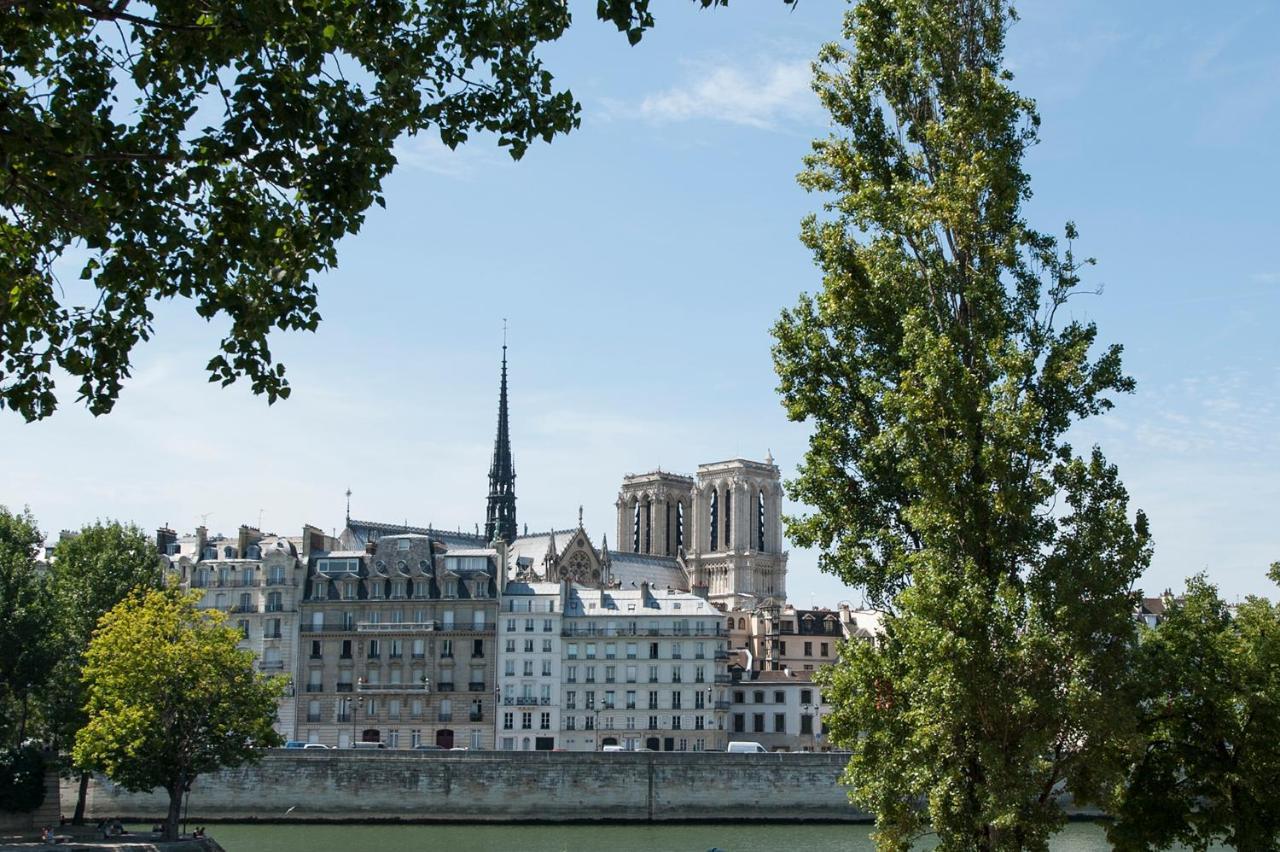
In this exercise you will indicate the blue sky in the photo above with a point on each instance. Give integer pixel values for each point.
(641, 260)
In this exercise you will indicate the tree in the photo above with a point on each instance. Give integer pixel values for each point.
(939, 384)
(91, 572)
(171, 696)
(218, 151)
(27, 633)
(1208, 767)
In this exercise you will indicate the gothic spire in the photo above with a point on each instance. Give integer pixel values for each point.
(500, 519)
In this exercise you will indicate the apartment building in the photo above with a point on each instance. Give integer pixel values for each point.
(781, 710)
(397, 644)
(529, 666)
(644, 668)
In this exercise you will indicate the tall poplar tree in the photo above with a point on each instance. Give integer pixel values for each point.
(940, 379)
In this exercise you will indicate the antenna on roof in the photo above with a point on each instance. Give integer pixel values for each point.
(204, 519)
(348, 505)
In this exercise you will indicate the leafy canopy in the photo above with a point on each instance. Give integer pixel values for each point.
(171, 696)
(29, 641)
(939, 381)
(217, 151)
(1208, 767)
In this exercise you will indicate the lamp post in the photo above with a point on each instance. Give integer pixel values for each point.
(357, 702)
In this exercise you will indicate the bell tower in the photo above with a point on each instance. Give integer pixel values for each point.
(735, 546)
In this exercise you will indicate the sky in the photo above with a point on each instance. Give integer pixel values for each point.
(641, 261)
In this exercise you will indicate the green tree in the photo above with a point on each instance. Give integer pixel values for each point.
(217, 152)
(91, 572)
(939, 384)
(1208, 767)
(170, 696)
(28, 636)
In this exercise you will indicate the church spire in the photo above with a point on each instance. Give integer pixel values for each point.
(500, 519)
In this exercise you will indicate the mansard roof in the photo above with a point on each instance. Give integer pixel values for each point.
(629, 570)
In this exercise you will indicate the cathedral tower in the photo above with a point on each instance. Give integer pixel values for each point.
(735, 535)
(653, 513)
(500, 517)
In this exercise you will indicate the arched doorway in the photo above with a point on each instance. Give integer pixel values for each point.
(609, 741)
(370, 735)
(651, 743)
(444, 738)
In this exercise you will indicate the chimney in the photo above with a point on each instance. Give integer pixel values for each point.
(165, 538)
(202, 539)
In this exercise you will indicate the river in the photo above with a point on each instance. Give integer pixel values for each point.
(1076, 837)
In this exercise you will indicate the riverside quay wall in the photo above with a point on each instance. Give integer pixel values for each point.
(313, 785)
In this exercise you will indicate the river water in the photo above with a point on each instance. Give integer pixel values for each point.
(726, 837)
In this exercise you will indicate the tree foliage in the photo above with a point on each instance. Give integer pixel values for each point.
(28, 636)
(218, 151)
(171, 696)
(1208, 768)
(939, 381)
(21, 779)
(91, 572)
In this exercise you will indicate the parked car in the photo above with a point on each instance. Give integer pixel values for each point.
(745, 747)
(363, 745)
(612, 748)
(315, 745)
(295, 744)
(428, 747)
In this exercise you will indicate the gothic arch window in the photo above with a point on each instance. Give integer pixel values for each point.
(715, 516)
(679, 525)
(648, 525)
(635, 528)
(760, 522)
(728, 517)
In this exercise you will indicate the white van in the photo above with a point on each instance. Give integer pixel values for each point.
(612, 748)
(743, 747)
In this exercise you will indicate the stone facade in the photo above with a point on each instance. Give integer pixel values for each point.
(529, 665)
(783, 711)
(398, 645)
(644, 668)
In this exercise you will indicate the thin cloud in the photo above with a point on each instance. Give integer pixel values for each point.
(764, 96)
(428, 153)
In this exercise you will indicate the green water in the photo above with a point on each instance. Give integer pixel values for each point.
(1076, 837)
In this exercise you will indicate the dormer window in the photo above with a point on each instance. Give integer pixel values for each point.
(477, 589)
(450, 588)
(402, 544)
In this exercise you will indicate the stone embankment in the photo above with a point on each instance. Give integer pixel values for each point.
(316, 786)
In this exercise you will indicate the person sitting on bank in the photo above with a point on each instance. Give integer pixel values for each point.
(199, 832)
(46, 835)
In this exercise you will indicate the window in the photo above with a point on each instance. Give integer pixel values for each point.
(758, 696)
(653, 674)
(677, 674)
(511, 646)
(477, 647)
(446, 648)
(700, 674)
(631, 650)
(653, 699)
(546, 646)
(779, 723)
(631, 674)
(446, 619)
(546, 625)
(806, 696)
(571, 676)
(571, 700)
(511, 622)
(757, 723)
(528, 668)
(477, 620)
(510, 667)
(544, 723)
(675, 700)
(806, 724)
(591, 674)
(610, 674)
(572, 651)
(699, 699)
(316, 649)
(610, 651)
(419, 649)
(396, 649)
(526, 721)
(739, 723)
(825, 648)
(738, 697)
(653, 650)
(570, 723)
(631, 699)
(528, 646)
(609, 700)
(779, 697)
(677, 651)
(546, 668)
(591, 651)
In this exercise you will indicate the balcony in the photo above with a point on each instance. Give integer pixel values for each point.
(526, 700)
(476, 686)
(237, 608)
(315, 687)
(275, 607)
(271, 665)
(444, 686)
(444, 717)
(393, 687)
(397, 626)
(476, 717)
(276, 635)
(344, 717)
(721, 654)
(723, 678)
(722, 705)
(325, 628)
(313, 717)
(345, 687)
(280, 581)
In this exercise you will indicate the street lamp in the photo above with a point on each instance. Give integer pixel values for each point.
(358, 702)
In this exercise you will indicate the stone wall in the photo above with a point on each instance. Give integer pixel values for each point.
(315, 785)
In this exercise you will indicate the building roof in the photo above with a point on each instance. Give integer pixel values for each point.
(629, 570)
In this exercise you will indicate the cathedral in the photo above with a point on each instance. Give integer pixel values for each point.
(717, 534)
